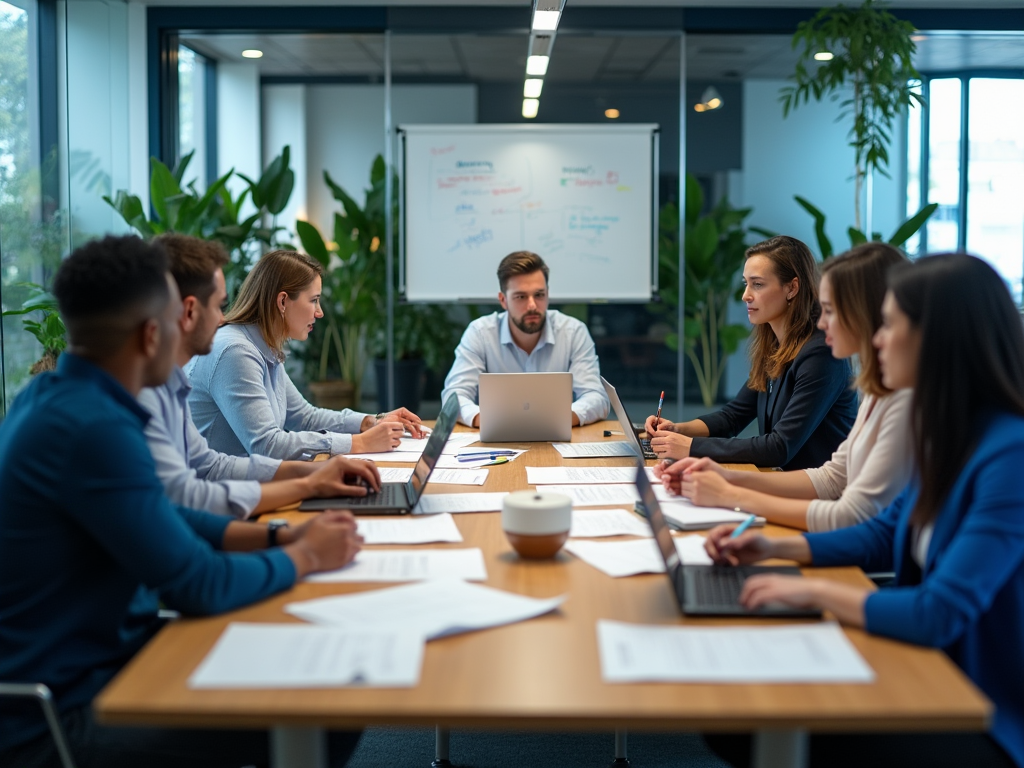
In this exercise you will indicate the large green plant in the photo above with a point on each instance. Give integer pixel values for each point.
(871, 70)
(715, 248)
(902, 233)
(48, 329)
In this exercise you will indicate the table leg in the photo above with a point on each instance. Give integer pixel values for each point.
(621, 759)
(441, 760)
(298, 747)
(780, 749)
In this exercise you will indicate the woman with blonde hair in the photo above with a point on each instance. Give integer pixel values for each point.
(243, 400)
(798, 392)
(873, 464)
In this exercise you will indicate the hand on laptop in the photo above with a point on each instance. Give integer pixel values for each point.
(327, 542)
(382, 438)
(344, 477)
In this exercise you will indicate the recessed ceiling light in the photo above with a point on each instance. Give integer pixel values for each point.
(823, 56)
(545, 21)
(252, 53)
(537, 65)
(611, 114)
(530, 107)
(532, 87)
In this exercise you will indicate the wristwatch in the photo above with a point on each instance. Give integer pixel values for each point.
(272, 528)
(378, 418)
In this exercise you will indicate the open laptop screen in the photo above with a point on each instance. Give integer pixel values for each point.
(660, 529)
(435, 445)
(623, 417)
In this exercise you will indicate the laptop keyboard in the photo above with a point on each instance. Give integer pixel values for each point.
(391, 495)
(717, 586)
(645, 445)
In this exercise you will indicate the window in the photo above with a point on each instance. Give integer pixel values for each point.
(192, 114)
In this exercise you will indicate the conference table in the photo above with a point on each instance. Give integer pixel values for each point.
(544, 674)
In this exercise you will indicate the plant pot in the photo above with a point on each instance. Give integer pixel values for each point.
(334, 394)
(408, 383)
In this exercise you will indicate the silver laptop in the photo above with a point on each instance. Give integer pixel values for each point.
(525, 407)
(709, 590)
(641, 445)
(398, 498)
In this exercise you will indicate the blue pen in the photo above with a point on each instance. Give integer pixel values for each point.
(481, 456)
(743, 526)
(495, 452)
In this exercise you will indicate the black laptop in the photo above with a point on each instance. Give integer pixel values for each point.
(709, 590)
(632, 433)
(398, 498)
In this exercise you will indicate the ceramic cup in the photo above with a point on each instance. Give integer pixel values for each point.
(536, 523)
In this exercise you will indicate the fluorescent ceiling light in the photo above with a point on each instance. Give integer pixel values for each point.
(611, 114)
(537, 65)
(532, 87)
(545, 21)
(823, 56)
(530, 107)
(252, 53)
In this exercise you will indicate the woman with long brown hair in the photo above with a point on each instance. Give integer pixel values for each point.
(243, 400)
(798, 392)
(873, 464)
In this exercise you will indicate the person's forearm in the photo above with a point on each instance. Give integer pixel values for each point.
(843, 600)
(793, 548)
(290, 470)
(244, 537)
(695, 428)
(791, 485)
(278, 493)
(791, 512)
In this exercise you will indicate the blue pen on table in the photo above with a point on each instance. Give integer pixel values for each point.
(481, 455)
(743, 526)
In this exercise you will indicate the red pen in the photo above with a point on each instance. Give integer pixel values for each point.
(661, 401)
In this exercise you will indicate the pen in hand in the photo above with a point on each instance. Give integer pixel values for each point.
(742, 526)
(661, 402)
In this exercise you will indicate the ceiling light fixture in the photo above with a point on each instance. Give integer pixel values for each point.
(532, 87)
(824, 56)
(252, 53)
(711, 99)
(537, 65)
(530, 107)
(611, 114)
(545, 21)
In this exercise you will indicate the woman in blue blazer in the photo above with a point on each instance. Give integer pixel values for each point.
(955, 536)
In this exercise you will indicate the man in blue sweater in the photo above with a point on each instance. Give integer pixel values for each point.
(88, 539)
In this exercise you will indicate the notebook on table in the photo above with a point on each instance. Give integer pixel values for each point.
(398, 498)
(709, 590)
(525, 407)
(641, 445)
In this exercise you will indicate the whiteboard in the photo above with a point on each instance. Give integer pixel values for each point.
(581, 196)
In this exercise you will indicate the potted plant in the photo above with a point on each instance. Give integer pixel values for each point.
(715, 251)
(48, 330)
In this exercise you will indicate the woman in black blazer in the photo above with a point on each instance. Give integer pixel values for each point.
(798, 392)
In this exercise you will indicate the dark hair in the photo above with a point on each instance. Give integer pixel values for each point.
(520, 263)
(790, 259)
(193, 263)
(105, 288)
(858, 282)
(971, 363)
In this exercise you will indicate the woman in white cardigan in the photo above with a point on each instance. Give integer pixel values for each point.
(872, 465)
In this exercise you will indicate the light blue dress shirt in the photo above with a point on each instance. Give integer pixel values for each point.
(244, 402)
(193, 474)
(565, 346)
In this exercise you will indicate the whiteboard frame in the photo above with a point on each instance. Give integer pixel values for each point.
(632, 128)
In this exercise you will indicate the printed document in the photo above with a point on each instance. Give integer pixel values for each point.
(592, 450)
(432, 608)
(461, 476)
(409, 565)
(594, 523)
(395, 474)
(469, 459)
(597, 495)
(796, 653)
(408, 530)
(584, 475)
(433, 503)
(628, 558)
(303, 656)
(395, 457)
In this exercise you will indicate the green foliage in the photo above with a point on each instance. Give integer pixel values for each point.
(903, 232)
(715, 251)
(42, 320)
(872, 54)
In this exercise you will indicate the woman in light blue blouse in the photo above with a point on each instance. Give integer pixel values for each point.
(954, 537)
(243, 400)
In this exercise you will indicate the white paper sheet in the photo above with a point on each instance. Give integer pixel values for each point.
(432, 608)
(391, 457)
(597, 495)
(456, 442)
(797, 653)
(408, 530)
(452, 461)
(594, 523)
(459, 476)
(409, 565)
(628, 558)
(573, 475)
(434, 503)
(590, 450)
(395, 474)
(303, 656)
(690, 517)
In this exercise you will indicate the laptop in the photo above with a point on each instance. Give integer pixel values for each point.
(398, 498)
(525, 407)
(709, 590)
(641, 445)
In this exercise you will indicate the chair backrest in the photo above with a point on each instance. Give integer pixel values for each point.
(42, 694)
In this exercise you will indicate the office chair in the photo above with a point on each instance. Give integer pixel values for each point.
(42, 694)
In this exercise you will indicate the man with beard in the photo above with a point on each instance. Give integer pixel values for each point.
(526, 337)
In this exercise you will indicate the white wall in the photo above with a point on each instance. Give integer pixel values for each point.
(345, 131)
(238, 123)
(284, 124)
(138, 100)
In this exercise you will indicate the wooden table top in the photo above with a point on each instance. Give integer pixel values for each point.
(545, 673)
